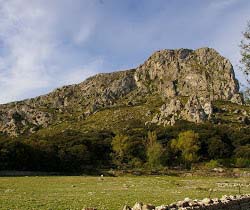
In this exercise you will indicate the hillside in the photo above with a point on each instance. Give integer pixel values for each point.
(172, 85)
(173, 91)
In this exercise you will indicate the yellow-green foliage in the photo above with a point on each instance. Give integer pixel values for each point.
(121, 146)
(188, 144)
(154, 150)
(212, 164)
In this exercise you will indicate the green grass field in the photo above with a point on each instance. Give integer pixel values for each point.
(111, 193)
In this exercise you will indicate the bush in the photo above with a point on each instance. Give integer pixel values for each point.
(242, 163)
(212, 164)
(243, 152)
(217, 148)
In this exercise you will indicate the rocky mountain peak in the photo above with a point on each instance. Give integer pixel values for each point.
(202, 76)
(182, 72)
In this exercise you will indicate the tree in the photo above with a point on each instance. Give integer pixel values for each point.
(188, 144)
(154, 150)
(245, 57)
(243, 151)
(242, 154)
(119, 145)
(217, 148)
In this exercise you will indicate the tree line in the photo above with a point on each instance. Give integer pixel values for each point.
(180, 146)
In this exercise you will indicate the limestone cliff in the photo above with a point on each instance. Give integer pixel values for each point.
(183, 72)
(203, 75)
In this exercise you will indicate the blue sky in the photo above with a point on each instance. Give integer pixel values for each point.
(45, 44)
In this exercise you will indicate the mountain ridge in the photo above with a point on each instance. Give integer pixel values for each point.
(201, 76)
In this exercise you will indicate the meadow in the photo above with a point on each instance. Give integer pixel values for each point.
(110, 193)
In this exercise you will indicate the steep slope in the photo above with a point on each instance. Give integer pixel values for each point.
(171, 85)
(183, 72)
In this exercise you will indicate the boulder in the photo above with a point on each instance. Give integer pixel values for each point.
(162, 207)
(126, 208)
(137, 206)
(207, 201)
(148, 207)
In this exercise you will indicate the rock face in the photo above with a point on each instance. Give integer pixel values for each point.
(196, 110)
(17, 120)
(182, 72)
(85, 98)
(202, 76)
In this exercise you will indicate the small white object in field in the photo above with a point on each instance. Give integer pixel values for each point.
(102, 177)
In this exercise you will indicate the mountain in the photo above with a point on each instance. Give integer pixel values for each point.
(170, 86)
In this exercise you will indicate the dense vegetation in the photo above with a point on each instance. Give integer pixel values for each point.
(140, 147)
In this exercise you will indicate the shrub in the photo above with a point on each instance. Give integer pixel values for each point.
(212, 164)
(242, 163)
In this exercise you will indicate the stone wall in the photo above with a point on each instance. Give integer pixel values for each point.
(238, 202)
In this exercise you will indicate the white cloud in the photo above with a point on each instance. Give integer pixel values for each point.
(221, 4)
(32, 33)
(226, 37)
(77, 75)
(28, 47)
(84, 32)
(48, 43)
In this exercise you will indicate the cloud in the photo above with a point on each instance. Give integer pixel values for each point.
(32, 35)
(45, 44)
(226, 37)
(76, 75)
(221, 4)
(83, 34)
(28, 48)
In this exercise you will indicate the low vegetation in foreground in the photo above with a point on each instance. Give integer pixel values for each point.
(76, 192)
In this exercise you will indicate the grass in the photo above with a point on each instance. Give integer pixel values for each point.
(76, 192)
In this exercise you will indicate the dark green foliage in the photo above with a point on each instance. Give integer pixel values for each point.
(129, 150)
(243, 152)
(242, 162)
(68, 151)
(75, 151)
(217, 148)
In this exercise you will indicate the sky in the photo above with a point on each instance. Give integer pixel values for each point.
(45, 44)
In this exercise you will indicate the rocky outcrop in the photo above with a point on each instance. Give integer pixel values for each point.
(196, 110)
(182, 72)
(169, 113)
(173, 74)
(96, 92)
(17, 120)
